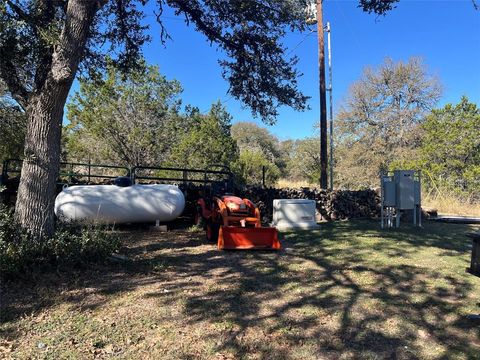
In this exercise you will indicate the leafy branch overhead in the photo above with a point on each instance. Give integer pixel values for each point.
(259, 71)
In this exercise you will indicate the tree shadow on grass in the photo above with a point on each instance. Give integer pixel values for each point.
(357, 327)
(419, 302)
(326, 294)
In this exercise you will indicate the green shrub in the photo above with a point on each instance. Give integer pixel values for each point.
(13, 249)
(72, 245)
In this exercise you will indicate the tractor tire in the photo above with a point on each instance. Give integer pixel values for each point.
(211, 231)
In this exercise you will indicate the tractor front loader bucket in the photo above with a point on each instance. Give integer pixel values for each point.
(235, 237)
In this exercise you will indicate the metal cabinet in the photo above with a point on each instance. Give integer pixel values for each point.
(400, 191)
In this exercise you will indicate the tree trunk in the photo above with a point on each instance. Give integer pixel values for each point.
(36, 193)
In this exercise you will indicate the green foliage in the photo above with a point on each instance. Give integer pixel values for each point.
(377, 126)
(30, 33)
(72, 245)
(135, 120)
(250, 136)
(450, 149)
(449, 152)
(249, 167)
(250, 33)
(129, 121)
(304, 159)
(13, 126)
(207, 142)
(379, 123)
(414, 163)
(258, 148)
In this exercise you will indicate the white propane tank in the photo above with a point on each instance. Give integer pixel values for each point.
(109, 204)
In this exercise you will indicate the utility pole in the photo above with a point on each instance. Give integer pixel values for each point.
(330, 101)
(323, 98)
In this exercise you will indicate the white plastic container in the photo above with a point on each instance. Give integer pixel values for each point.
(111, 204)
(294, 214)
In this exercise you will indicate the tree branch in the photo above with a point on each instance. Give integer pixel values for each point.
(9, 75)
(21, 14)
(196, 16)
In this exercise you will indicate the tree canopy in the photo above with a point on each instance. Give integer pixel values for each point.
(207, 142)
(129, 120)
(379, 120)
(250, 167)
(249, 32)
(258, 149)
(450, 149)
(304, 160)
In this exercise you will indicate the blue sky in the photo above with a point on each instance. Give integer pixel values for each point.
(446, 34)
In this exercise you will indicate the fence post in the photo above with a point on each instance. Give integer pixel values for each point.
(263, 176)
(89, 169)
(133, 174)
(5, 169)
(70, 175)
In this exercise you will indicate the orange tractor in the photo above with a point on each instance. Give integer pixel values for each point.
(232, 222)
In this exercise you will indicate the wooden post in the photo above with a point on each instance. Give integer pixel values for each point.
(323, 98)
(475, 260)
(263, 176)
(89, 169)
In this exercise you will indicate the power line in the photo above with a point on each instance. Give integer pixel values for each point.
(222, 102)
(301, 42)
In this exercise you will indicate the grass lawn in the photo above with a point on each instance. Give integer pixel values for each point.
(349, 290)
